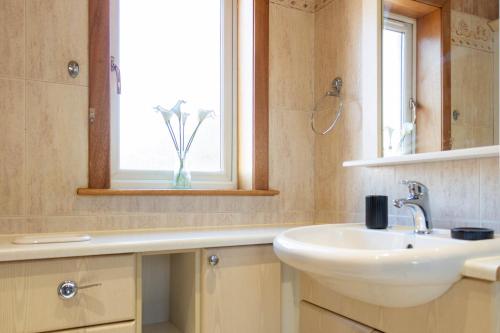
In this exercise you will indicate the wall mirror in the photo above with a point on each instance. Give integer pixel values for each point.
(439, 75)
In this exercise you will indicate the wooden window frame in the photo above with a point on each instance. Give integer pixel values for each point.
(100, 107)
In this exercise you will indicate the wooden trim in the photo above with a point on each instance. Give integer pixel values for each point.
(435, 3)
(173, 192)
(429, 82)
(446, 143)
(408, 8)
(99, 94)
(261, 96)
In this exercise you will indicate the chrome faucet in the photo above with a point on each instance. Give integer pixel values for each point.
(418, 203)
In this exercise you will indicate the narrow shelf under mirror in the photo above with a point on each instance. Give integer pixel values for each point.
(449, 155)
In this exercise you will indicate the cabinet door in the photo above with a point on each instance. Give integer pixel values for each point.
(314, 319)
(31, 300)
(242, 292)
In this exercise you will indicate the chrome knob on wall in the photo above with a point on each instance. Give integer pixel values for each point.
(73, 69)
(213, 260)
(69, 289)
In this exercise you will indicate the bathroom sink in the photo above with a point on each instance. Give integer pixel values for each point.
(392, 268)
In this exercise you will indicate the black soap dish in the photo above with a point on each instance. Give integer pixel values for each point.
(472, 234)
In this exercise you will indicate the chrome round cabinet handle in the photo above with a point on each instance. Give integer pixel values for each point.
(67, 289)
(213, 260)
(73, 69)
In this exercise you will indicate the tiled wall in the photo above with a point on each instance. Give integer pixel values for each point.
(461, 192)
(43, 146)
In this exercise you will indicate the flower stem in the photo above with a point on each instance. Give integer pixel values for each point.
(180, 136)
(192, 138)
(183, 138)
(172, 135)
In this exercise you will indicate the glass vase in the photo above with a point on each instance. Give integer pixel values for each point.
(182, 175)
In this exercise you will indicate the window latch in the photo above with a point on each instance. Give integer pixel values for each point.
(91, 115)
(115, 68)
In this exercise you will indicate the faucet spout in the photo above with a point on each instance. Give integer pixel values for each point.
(420, 220)
(418, 203)
(399, 203)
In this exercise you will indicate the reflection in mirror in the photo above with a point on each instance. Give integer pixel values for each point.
(439, 75)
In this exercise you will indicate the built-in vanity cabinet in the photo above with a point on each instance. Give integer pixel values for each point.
(241, 293)
(469, 306)
(175, 291)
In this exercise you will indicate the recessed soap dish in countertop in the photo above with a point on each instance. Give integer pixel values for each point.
(472, 233)
(48, 239)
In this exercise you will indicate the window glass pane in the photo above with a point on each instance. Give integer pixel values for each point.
(393, 50)
(169, 51)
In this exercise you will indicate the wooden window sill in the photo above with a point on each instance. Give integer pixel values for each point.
(173, 192)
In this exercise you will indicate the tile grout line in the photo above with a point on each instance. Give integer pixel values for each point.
(43, 81)
(9, 78)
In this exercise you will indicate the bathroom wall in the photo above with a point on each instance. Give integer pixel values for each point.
(462, 192)
(43, 146)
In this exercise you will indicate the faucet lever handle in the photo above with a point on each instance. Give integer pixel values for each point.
(415, 188)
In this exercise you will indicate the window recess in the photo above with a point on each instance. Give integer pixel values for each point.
(236, 160)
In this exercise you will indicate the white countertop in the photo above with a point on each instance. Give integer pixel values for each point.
(139, 241)
(483, 268)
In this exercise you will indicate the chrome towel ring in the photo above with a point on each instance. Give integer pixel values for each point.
(335, 91)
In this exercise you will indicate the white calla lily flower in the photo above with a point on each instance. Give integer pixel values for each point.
(166, 114)
(203, 114)
(176, 109)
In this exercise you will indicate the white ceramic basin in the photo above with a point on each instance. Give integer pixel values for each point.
(375, 266)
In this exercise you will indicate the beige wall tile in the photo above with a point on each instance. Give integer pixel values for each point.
(19, 225)
(490, 186)
(460, 138)
(12, 147)
(453, 187)
(12, 32)
(291, 58)
(152, 221)
(57, 140)
(57, 32)
(337, 48)
(484, 136)
(472, 95)
(291, 159)
(339, 192)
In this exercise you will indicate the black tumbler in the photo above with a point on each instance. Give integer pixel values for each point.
(376, 212)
